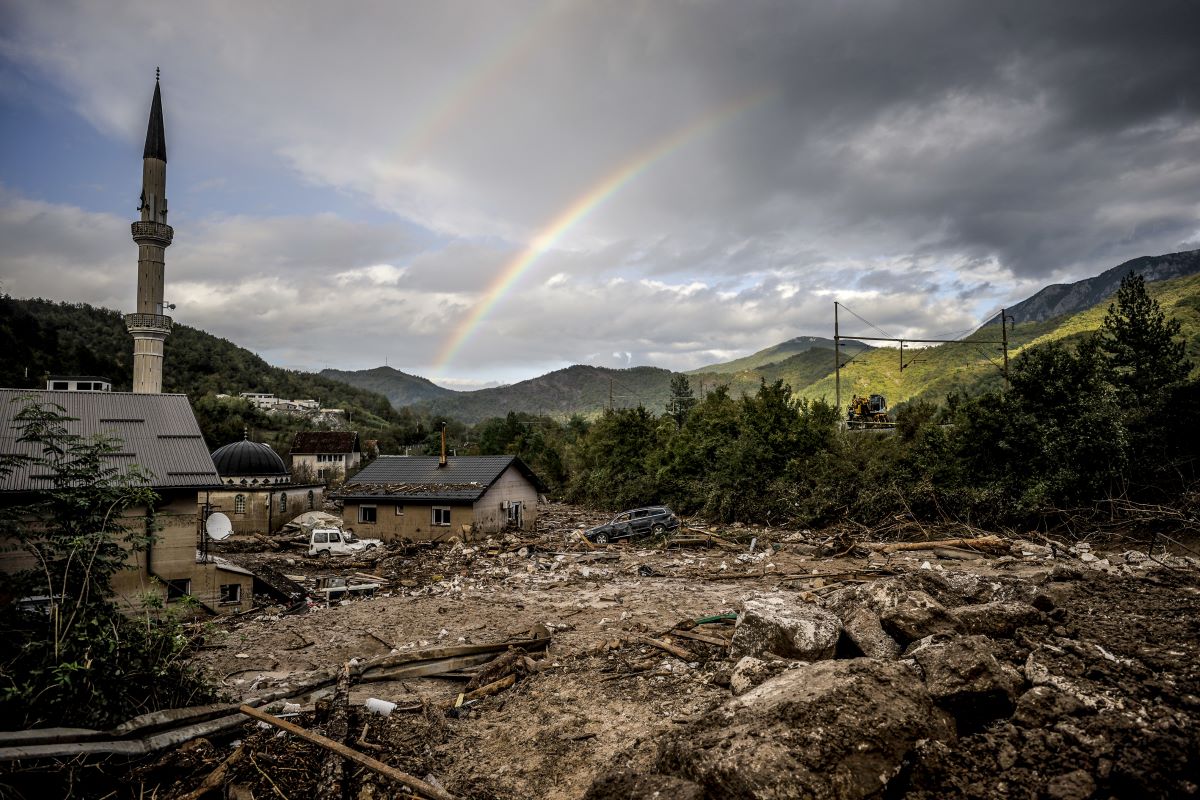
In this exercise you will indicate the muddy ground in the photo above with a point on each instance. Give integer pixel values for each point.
(1098, 693)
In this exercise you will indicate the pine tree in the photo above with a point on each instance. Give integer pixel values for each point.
(1142, 345)
(683, 400)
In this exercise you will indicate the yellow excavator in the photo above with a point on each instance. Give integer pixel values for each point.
(867, 412)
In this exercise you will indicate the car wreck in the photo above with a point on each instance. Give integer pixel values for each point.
(634, 523)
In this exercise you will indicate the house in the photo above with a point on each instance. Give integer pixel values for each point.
(427, 498)
(326, 455)
(159, 434)
(256, 491)
(78, 383)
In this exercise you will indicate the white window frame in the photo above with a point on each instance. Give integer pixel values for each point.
(236, 594)
(374, 515)
(435, 514)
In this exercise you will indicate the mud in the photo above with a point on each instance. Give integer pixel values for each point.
(1098, 662)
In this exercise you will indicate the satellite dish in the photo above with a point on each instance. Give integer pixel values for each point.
(218, 526)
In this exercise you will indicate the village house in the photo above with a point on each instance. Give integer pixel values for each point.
(256, 491)
(427, 498)
(326, 455)
(159, 434)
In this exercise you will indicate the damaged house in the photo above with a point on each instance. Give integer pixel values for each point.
(326, 455)
(427, 498)
(160, 435)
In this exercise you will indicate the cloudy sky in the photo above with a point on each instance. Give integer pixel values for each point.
(485, 191)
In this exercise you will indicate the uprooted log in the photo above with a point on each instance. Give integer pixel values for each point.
(989, 544)
(378, 767)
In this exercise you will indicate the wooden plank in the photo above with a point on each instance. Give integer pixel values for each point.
(378, 767)
(700, 637)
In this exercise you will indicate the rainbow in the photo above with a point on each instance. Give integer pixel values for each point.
(583, 205)
(479, 81)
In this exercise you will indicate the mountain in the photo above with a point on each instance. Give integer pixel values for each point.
(575, 390)
(1067, 298)
(975, 364)
(40, 337)
(779, 352)
(400, 388)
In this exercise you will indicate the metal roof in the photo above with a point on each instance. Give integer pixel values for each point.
(158, 432)
(156, 138)
(464, 478)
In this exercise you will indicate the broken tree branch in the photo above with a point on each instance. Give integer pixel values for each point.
(217, 776)
(378, 767)
(678, 652)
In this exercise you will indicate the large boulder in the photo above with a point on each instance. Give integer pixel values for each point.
(964, 677)
(786, 628)
(622, 785)
(750, 672)
(832, 729)
(916, 616)
(863, 629)
(1000, 619)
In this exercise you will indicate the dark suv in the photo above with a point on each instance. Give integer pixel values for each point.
(652, 520)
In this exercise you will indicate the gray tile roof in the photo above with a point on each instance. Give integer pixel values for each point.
(159, 433)
(464, 478)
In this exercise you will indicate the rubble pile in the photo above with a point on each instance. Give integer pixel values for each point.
(715, 662)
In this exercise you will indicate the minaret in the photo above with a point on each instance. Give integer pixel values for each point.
(149, 325)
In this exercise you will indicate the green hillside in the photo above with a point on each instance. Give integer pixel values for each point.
(400, 388)
(40, 337)
(575, 390)
(969, 367)
(778, 353)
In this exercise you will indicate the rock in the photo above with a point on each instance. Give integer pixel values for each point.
(1042, 706)
(750, 672)
(916, 616)
(864, 630)
(785, 628)
(999, 619)
(1066, 572)
(1087, 557)
(622, 785)
(1077, 785)
(833, 729)
(964, 677)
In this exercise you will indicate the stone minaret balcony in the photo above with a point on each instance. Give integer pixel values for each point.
(148, 323)
(152, 233)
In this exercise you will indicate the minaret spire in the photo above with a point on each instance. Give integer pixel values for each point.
(149, 326)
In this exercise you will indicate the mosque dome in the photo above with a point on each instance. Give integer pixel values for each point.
(247, 458)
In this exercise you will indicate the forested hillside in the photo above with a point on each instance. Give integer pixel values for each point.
(39, 337)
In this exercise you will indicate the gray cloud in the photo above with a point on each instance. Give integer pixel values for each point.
(924, 162)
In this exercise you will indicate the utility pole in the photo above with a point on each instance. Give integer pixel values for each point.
(1004, 318)
(837, 362)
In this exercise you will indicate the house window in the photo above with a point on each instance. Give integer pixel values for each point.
(399, 511)
(441, 516)
(61, 385)
(366, 514)
(320, 474)
(283, 503)
(231, 593)
(177, 590)
(312, 502)
(239, 504)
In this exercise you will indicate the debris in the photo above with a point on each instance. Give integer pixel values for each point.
(679, 652)
(378, 767)
(217, 777)
(337, 726)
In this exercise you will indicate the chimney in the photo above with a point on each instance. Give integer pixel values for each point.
(442, 460)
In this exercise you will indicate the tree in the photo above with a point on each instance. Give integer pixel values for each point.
(76, 659)
(682, 401)
(1142, 345)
